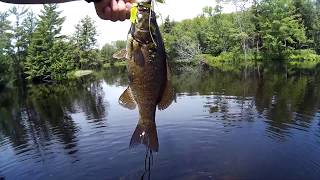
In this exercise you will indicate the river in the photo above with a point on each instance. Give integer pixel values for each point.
(253, 125)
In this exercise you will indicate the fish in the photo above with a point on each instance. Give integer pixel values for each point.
(150, 84)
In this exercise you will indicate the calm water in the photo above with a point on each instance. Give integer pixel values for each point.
(221, 126)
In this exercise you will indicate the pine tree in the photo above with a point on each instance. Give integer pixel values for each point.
(19, 52)
(5, 48)
(39, 59)
(29, 24)
(168, 25)
(86, 42)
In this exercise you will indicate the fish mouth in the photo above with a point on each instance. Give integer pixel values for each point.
(143, 1)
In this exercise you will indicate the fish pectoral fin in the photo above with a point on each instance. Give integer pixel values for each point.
(139, 57)
(167, 96)
(122, 54)
(126, 99)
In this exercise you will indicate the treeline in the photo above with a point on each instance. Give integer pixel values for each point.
(259, 30)
(33, 48)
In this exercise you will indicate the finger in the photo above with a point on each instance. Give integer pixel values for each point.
(128, 7)
(122, 10)
(108, 13)
(101, 10)
(115, 10)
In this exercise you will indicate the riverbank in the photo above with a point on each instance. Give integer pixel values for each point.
(302, 60)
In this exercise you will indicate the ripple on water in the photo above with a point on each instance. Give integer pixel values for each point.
(5, 141)
(280, 129)
(22, 149)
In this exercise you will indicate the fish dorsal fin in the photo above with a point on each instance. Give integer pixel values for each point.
(168, 93)
(122, 54)
(126, 99)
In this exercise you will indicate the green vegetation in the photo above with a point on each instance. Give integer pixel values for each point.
(5, 58)
(115, 64)
(32, 47)
(81, 73)
(108, 50)
(286, 31)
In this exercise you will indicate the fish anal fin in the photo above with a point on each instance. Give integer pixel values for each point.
(126, 99)
(122, 54)
(167, 96)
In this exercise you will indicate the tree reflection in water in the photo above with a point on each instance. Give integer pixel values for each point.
(42, 115)
(284, 101)
(281, 105)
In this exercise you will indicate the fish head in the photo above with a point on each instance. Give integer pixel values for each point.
(145, 15)
(145, 25)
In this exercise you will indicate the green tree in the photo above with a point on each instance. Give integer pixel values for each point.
(168, 25)
(316, 32)
(311, 20)
(29, 24)
(108, 50)
(85, 38)
(63, 59)
(39, 62)
(119, 44)
(182, 42)
(5, 48)
(218, 35)
(281, 27)
(20, 48)
(256, 36)
(106, 53)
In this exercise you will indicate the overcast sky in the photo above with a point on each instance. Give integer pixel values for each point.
(111, 31)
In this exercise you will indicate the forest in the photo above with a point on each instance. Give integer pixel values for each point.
(32, 48)
(265, 31)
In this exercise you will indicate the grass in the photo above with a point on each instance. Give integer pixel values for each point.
(81, 73)
(116, 64)
(230, 61)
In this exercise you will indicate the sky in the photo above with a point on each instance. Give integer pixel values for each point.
(112, 31)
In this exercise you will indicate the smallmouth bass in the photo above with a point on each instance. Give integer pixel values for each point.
(148, 73)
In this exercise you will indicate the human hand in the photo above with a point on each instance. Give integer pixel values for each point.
(114, 10)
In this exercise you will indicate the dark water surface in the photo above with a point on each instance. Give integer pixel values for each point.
(221, 126)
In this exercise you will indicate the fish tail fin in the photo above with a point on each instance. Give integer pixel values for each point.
(145, 133)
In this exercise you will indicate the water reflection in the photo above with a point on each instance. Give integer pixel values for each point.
(146, 134)
(284, 102)
(250, 125)
(42, 116)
